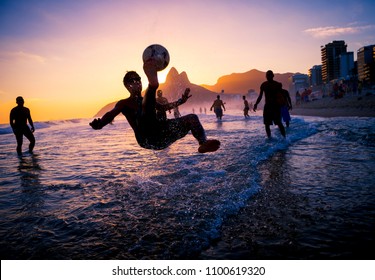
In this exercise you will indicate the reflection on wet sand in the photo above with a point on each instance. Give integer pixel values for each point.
(29, 171)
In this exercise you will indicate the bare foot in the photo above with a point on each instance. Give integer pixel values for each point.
(209, 146)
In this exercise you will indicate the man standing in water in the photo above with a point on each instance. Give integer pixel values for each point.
(161, 114)
(246, 108)
(19, 116)
(150, 132)
(217, 107)
(272, 108)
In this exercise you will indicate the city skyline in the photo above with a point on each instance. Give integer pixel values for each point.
(67, 59)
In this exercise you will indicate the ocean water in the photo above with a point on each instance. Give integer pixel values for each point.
(88, 194)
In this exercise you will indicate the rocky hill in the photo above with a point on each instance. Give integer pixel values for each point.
(175, 85)
(246, 82)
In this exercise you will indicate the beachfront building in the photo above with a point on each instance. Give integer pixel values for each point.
(315, 74)
(346, 65)
(366, 64)
(299, 82)
(330, 54)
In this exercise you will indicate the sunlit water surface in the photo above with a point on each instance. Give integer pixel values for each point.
(88, 194)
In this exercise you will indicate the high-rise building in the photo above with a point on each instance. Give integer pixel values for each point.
(331, 60)
(347, 65)
(366, 64)
(315, 74)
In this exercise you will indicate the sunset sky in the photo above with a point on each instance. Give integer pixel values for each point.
(67, 58)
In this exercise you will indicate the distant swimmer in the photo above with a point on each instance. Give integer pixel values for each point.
(140, 112)
(160, 113)
(218, 107)
(246, 107)
(19, 116)
(176, 112)
(271, 111)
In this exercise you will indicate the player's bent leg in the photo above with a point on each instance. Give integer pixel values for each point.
(205, 146)
(282, 129)
(268, 130)
(30, 136)
(192, 122)
(19, 138)
(32, 144)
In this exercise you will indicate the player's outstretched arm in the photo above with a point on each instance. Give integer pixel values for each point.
(185, 96)
(108, 117)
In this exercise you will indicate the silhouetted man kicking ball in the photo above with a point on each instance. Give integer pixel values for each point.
(140, 112)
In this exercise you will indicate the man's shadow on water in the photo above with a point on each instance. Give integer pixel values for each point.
(29, 171)
(31, 229)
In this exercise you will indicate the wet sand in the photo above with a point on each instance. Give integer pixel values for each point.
(311, 205)
(349, 106)
(287, 222)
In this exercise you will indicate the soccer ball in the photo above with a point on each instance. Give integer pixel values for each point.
(158, 53)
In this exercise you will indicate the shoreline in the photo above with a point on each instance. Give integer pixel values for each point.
(348, 106)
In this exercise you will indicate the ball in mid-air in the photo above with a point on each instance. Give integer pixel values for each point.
(159, 54)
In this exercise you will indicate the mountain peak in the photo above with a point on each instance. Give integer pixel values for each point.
(174, 76)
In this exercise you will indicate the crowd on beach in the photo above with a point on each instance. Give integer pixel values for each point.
(346, 103)
(336, 90)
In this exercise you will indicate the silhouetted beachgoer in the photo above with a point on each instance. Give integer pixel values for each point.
(217, 105)
(298, 98)
(246, 108)
(286, 107)
(140, 112)
(176, 112)
(271, 111)
(160, 113)
(19, 116)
